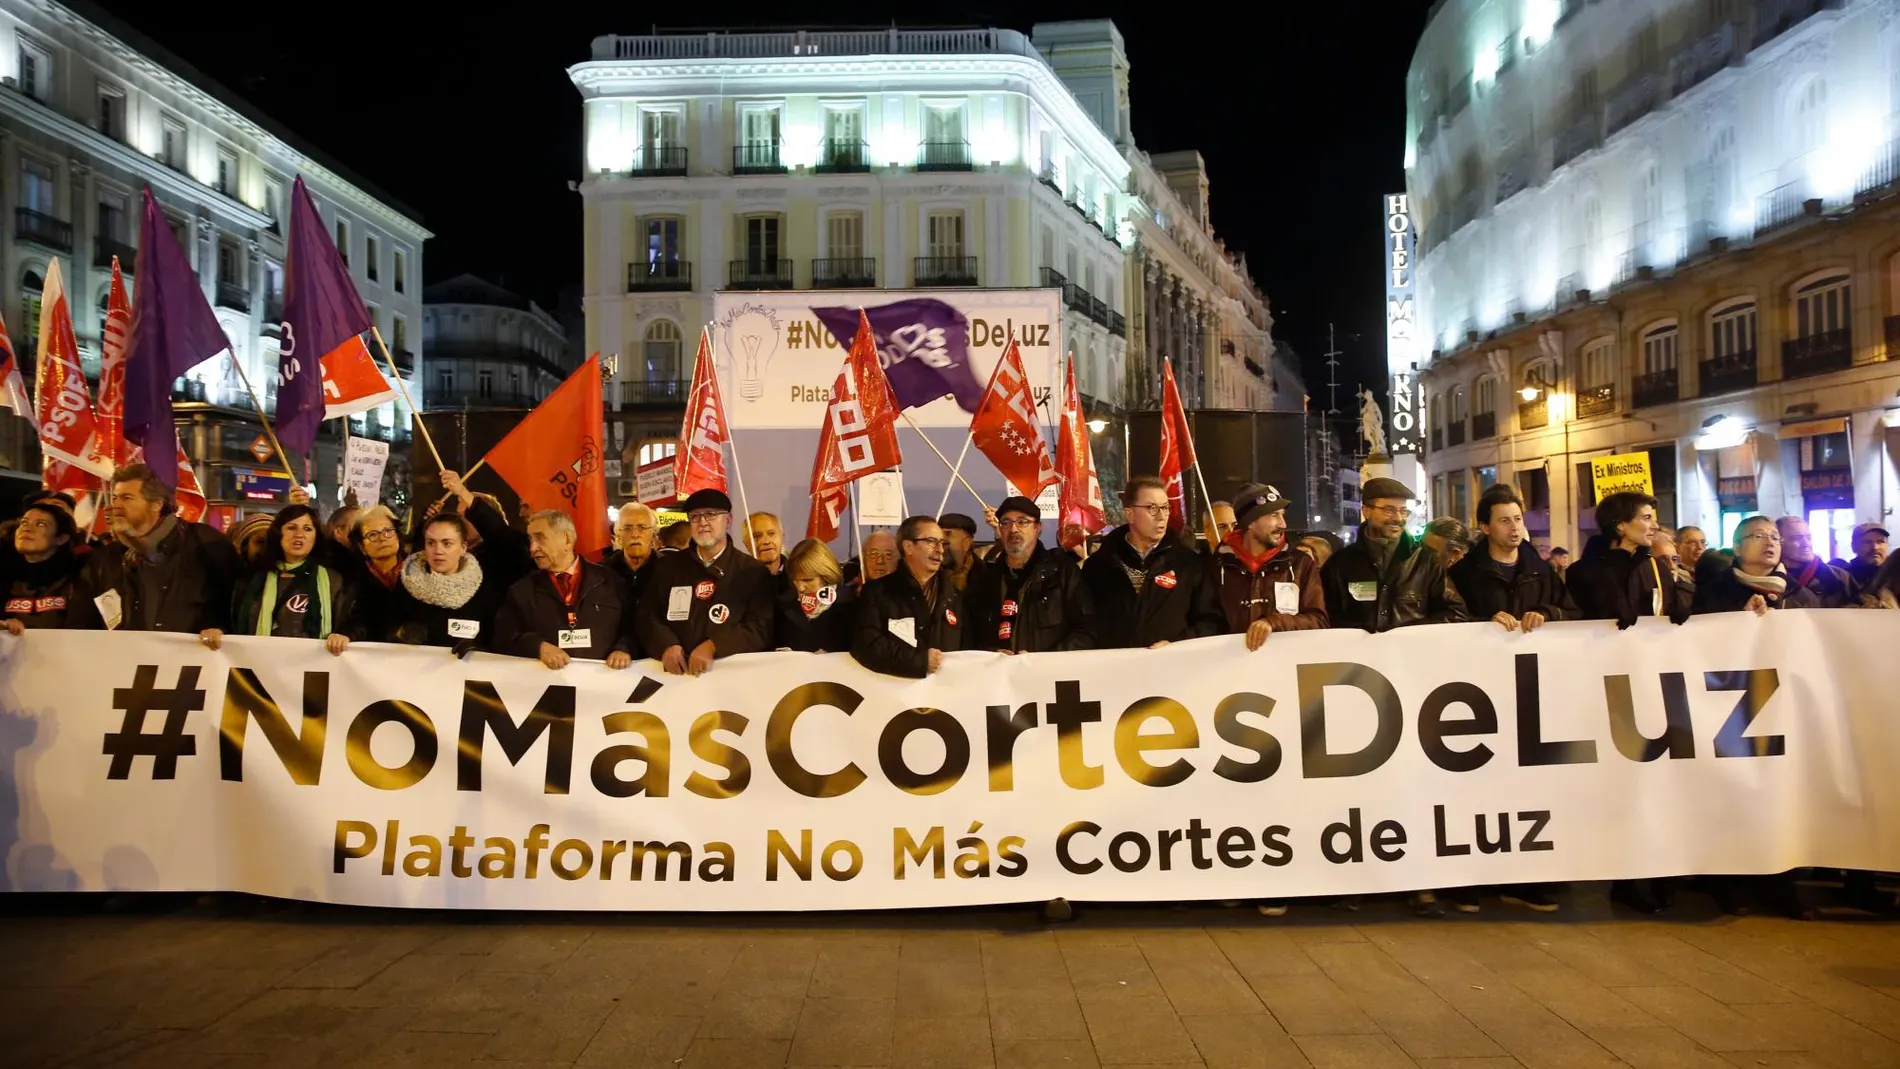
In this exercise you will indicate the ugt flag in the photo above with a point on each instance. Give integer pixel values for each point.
(1177, 448)
(700, 463)
(552, 458)
(1081, 495)
(858, 438)
(923, 344)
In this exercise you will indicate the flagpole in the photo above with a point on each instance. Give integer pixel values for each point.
(732, 441)
(238, 366)
(1207, 500)
(414, 412)
(954, 473)
(857, 529)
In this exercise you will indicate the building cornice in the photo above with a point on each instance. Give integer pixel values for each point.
(606, 79)
(123, 53)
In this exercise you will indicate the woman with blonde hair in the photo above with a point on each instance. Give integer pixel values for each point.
(814, 612)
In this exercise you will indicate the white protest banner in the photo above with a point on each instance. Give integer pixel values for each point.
(363, 462)
(1327, 763)
(653, 484)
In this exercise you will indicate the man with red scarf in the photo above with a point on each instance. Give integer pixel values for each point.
(1263, 584)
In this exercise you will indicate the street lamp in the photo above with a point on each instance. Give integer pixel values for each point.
(1097, 426)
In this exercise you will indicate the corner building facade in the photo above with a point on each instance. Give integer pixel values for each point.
(1664, 227)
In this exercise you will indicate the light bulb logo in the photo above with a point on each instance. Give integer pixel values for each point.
(752, 339)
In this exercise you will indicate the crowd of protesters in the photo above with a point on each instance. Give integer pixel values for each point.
(689, 594)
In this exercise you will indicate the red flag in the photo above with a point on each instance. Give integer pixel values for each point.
(700, 463)
(553, 458)
(69, 432)
(1177, 449)
(1081, 496)
(190, 495)
(12, 388)
(1005, 428)
(352, 382)
(859, 435)
(118, 327)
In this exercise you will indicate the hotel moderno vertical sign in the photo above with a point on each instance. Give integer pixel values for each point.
(1401, 327)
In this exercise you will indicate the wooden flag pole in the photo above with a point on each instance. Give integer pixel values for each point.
(954, 473)
(237, 366)
(414, 412)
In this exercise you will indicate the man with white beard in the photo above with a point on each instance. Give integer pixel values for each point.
(708, 601)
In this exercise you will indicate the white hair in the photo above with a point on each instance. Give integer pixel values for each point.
(636, 507)
(556, 519)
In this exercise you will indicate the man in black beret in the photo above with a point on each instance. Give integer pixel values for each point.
(1028, 598)
(707, 601)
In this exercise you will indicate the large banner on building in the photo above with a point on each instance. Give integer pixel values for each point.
(1327, 763)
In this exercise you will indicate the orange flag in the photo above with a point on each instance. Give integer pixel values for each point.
(1081, 495)
(859, 436)
(553, 457)
(1005, 428)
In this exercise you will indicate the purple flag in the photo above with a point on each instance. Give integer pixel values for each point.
(924, 345)
(322, 311)
(173, 330)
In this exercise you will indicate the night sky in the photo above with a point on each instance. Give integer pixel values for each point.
(1297, 109)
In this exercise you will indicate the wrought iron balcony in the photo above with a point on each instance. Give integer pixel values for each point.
(1635, 99)
(234, 295)
(659, 276)
(844, 273)
(1657, 388)
(1778, 207)
(405, 361)
(1883, 175)
(660, 163)
(654, 393)
(943, 271)
(1727, 374)
(42, 230)
(944, 156)
(844, 157)
(1532, 415)
(1578, 136)
(1817, 354)
(757, 157)
(1117, 324)
(1438, 439)
(104, 249)
(188, 390)
(1596, 401)
(273, 310)
(1776, 17)
(759, 275)
(1703, 58)
(1484, 425)
(1514, 175)
(1455, 433)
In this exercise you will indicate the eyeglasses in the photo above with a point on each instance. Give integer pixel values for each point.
(1157, 511)
(1017, 522)
(1764, 536)
(704, 517)
(1224, 528)
(637, 528)
(1390, 510)
(934, 543)
(384, 532)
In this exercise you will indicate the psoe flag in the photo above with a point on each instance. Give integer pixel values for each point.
(69, 432)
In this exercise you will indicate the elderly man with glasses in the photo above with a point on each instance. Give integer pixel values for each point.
(707, 601)
(1386, 578)
(636, 532)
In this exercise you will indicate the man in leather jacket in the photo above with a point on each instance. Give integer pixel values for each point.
(1031, 599)
(1386, 578)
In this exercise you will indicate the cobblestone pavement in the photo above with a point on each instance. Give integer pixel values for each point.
(234, 981)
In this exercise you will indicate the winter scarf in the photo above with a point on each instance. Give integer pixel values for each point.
(450, 591)
(1773, 585)
(267, 609)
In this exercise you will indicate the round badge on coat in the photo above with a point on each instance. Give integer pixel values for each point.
(718, 614)
(950, 616)
(704, 590)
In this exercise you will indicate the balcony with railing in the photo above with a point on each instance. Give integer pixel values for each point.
(234, 295)
(405, 361)
(1883, 175)
(843, 156)
(654, 393)
(1729, 373)
(1778, 207)
(944, 156)
(1633, 100)
(1596, 401)
(1455, 433)
(1578, 136)
(1654, 388)
(1533, 415)
(104, 249)
(1055, 280)
(1438, 439)
(659, 276)
(943, 271)
(844, 273)
(759, 275)
(1514, 174)
(1117, 325)
(1464, 208)
(1703, 58)
(657, 162)
(1458, 98)
(1484, 425)
(189, 390)
(1817, 354)
(757, 157)
(1776, 17)
(891, 42)
(273, 310)
(43, 230)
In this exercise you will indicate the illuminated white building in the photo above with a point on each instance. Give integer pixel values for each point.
(90, 113)
(1662, 226)
(814, 160)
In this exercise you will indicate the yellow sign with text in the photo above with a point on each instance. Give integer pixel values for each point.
(1621, 474)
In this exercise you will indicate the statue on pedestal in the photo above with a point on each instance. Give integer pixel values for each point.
(1371, 423)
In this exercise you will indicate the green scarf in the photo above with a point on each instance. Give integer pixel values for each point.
(267, 612)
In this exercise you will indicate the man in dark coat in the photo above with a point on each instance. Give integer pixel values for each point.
(1031, 599)
(1504, 580)
(1149, 588)
(1386, 578)
(165, 574)
(570, 607)
(709, 600)
(637, 531)
(1832, 587)
(910, 618)
(1869, 542)
(1263, 584)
